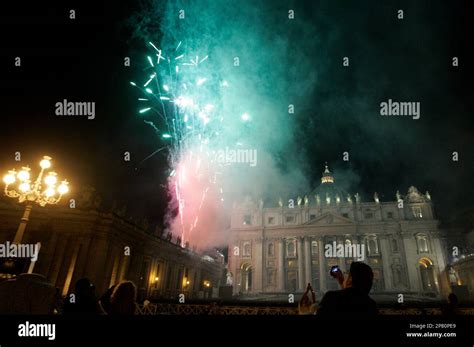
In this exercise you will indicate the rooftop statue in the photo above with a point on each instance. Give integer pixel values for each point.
(414, 195)
(399, 197)
(357, 196)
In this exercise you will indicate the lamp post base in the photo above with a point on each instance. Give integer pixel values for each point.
(21, 228)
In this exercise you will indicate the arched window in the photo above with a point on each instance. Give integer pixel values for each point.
(271, 250)
(372, 246)
(290, 249)
(427, 274)
(247, 219)
(422, 244)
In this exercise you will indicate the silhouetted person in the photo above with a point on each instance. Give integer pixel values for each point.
(353, 300)
(452, 307)
(104, 300)
(83, 300)
(307, 305)
(123, 299)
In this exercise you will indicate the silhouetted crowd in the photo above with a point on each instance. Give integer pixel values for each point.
(120, 299)
(32, 294)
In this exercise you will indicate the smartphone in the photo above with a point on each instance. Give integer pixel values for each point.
(335, 269)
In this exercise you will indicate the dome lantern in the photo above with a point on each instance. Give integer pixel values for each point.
(327, 176)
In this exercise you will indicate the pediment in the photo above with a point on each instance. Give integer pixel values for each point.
(329, 218)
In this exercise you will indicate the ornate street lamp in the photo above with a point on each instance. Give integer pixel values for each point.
(42, 191)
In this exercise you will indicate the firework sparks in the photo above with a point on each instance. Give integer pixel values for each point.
(186, 101)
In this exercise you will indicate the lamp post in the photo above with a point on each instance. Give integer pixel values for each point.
(41, 191)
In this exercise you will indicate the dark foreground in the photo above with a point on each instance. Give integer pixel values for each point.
(244, 330)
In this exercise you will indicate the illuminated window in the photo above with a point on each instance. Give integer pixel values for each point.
(314, 247)
(247, 249)
(372, 246)
(417, 212)
(247, 219)
(291, 248)
(422, 241)
(291, 264)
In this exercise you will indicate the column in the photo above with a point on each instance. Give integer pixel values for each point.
(150, 276)
(82, 258)
(123, 273)
(439, 251)
(411, 257)
(116, 260)
(307, 257)
(386, 263)
(322, 267)
(258, 274)
(135, 266)
(45, 260)
(58, 260)
(281, 265)
(72, 266)
(301, 285)
(440, 274)
(95, 268)
(198, 282)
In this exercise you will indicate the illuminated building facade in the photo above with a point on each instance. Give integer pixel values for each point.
(279, 249)
(106, 247)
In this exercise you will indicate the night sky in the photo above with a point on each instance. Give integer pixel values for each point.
(405, 60)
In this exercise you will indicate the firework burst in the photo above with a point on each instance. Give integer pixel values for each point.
(181, 101)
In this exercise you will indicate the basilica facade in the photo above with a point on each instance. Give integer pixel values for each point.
(280, 249)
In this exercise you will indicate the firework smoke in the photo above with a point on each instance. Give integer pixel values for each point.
(238, 90)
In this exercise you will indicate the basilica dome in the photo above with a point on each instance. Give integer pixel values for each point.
(328, 193)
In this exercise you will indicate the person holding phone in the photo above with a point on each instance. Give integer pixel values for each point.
(307, 305)
(353, 300)
(336, 273)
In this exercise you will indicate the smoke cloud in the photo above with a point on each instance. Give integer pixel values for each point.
(249, 48)
(299, 62)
